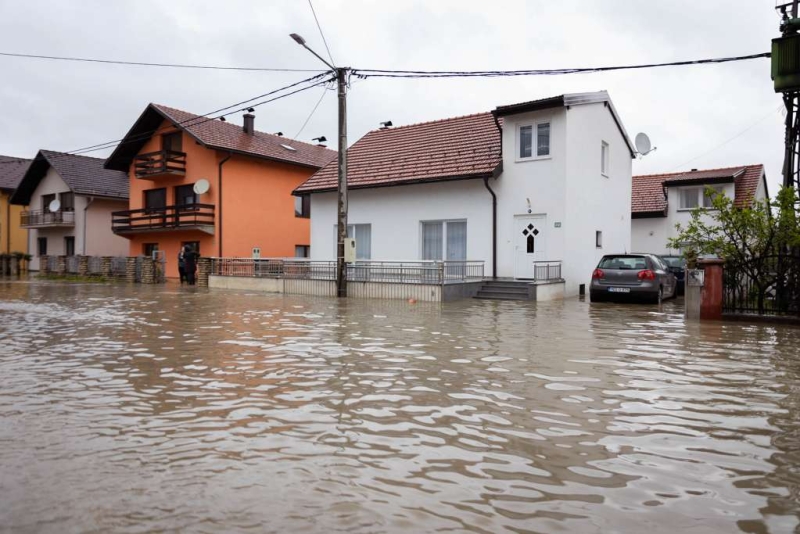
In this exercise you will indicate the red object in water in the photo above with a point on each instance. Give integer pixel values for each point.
(647, 274)
(598, 273)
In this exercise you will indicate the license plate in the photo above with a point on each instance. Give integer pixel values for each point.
(619, 290)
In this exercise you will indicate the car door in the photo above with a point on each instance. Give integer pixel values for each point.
(665, 276)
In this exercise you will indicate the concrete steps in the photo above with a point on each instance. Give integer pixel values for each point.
(504, 290)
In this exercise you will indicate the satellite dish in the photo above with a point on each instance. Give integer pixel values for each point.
(54, 205)
(201, 186)
(643, 145)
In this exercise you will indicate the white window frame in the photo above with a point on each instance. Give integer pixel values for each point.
(336, 239)
(534, 145)
(445, 223)
(700, 191)
(605, 156)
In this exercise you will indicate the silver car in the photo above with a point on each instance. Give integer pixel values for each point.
(633, 276)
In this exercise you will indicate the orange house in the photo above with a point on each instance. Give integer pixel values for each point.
(224, 189)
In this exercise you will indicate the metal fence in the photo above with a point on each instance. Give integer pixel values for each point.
(95, 265)
(399, 272)
(119, 266)
(767, 285)
(72, 264)
(546, 270)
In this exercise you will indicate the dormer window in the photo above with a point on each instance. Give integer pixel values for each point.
(695, 197)
(533, 140)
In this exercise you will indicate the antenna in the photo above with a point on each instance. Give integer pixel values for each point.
(54, 205)
(201, 186)
(643, 146)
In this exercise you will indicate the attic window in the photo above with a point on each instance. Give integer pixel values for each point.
(287, 147)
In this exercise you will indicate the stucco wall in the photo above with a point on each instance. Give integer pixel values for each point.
(13, 238)
(595, 202)
(395, 214)
(100, 239)
(52, 183)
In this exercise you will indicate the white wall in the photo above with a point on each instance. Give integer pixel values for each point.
(395, 214)
(652, 235)
(52, 183)
(542, 181)
(100, 239)
(595, 202)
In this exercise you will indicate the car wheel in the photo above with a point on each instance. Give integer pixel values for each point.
(660, 295)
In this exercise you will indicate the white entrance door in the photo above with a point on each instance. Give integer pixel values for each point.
(529, 243)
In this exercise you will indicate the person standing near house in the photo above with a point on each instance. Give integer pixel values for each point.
(181, 266)
(189, 264)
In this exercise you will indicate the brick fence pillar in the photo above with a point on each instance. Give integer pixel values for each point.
(44, 265)
(130, 270)
(711, 294)
(83, 265)
(61, 265)
(105, 266)
(148, 271)
(203, 270)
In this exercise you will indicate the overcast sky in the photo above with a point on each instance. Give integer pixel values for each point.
(688, 112)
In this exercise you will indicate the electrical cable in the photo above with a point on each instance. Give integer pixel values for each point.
(324, 92)
(325, 42)
(146, 64)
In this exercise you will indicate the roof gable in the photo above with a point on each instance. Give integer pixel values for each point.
(649, 190)
(218, 135)
(11, 172)
(451, 149)
(82, 174)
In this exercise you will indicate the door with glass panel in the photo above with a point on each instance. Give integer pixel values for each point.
(528, 244)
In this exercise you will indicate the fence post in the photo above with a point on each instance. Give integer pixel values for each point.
(130, 270)
(148, 271)
(711, 294)
(83, 265)
(44, 265)
(61, 265)
(203, 270)
(105, 266)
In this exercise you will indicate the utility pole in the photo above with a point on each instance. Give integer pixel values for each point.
(341, 227)
(786, 75)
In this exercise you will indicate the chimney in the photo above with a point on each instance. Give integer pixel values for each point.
(694, 170)
(249, 124)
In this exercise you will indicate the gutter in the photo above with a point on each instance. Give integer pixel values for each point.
(494, 228)
(219, 194)
(88, 203)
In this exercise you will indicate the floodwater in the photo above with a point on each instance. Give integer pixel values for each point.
(140, 408)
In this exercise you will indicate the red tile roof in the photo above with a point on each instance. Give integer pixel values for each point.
(648, 189)
(11, 172)
(449, 149)
(218, 135)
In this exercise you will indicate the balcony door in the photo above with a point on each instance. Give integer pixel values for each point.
(185, 196)
(172, 142)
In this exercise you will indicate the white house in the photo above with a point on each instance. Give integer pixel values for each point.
(79, 221)
(560, 169)
(660, 201)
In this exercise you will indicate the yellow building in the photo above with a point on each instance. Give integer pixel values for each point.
(13, 238)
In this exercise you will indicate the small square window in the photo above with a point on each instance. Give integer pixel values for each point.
(604, 158)
(302, 251)
(302, 206)
(690, 198)
(534, 140)
(598, 239)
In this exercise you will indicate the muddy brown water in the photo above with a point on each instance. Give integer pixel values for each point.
(139, 409)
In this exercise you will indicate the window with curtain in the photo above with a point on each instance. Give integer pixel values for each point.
(690, 198)
(444, 240)
(708, 202)
(543, 139)
(525, 141)
(432, 239)
(363, 236)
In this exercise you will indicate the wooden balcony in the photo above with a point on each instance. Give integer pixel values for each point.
(164, 163)
(47, 219)
(198, 217)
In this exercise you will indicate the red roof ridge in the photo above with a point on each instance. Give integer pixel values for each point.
(680, 173)
(436, 121)
(221, 124)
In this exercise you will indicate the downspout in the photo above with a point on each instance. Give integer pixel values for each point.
(8, 224)
(88, 203)
(494, 228)
(219, 201)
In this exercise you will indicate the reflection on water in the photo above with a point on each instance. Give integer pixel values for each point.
(135, 409)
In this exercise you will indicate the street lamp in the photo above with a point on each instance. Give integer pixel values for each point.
(341, 233)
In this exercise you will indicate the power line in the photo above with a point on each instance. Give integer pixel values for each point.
(146, 64)
(325, 42)
(324, 92)
(738, 135)
(384, 73)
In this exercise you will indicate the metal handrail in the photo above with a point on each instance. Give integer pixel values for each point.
(47, 217)
(547, 270)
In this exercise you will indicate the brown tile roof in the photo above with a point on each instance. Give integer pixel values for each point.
(82, 174)
(218, 135)
(449, 149)
(11, 172)
(648, 189)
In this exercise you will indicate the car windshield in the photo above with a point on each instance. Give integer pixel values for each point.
(623, 262)
(674, 261)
